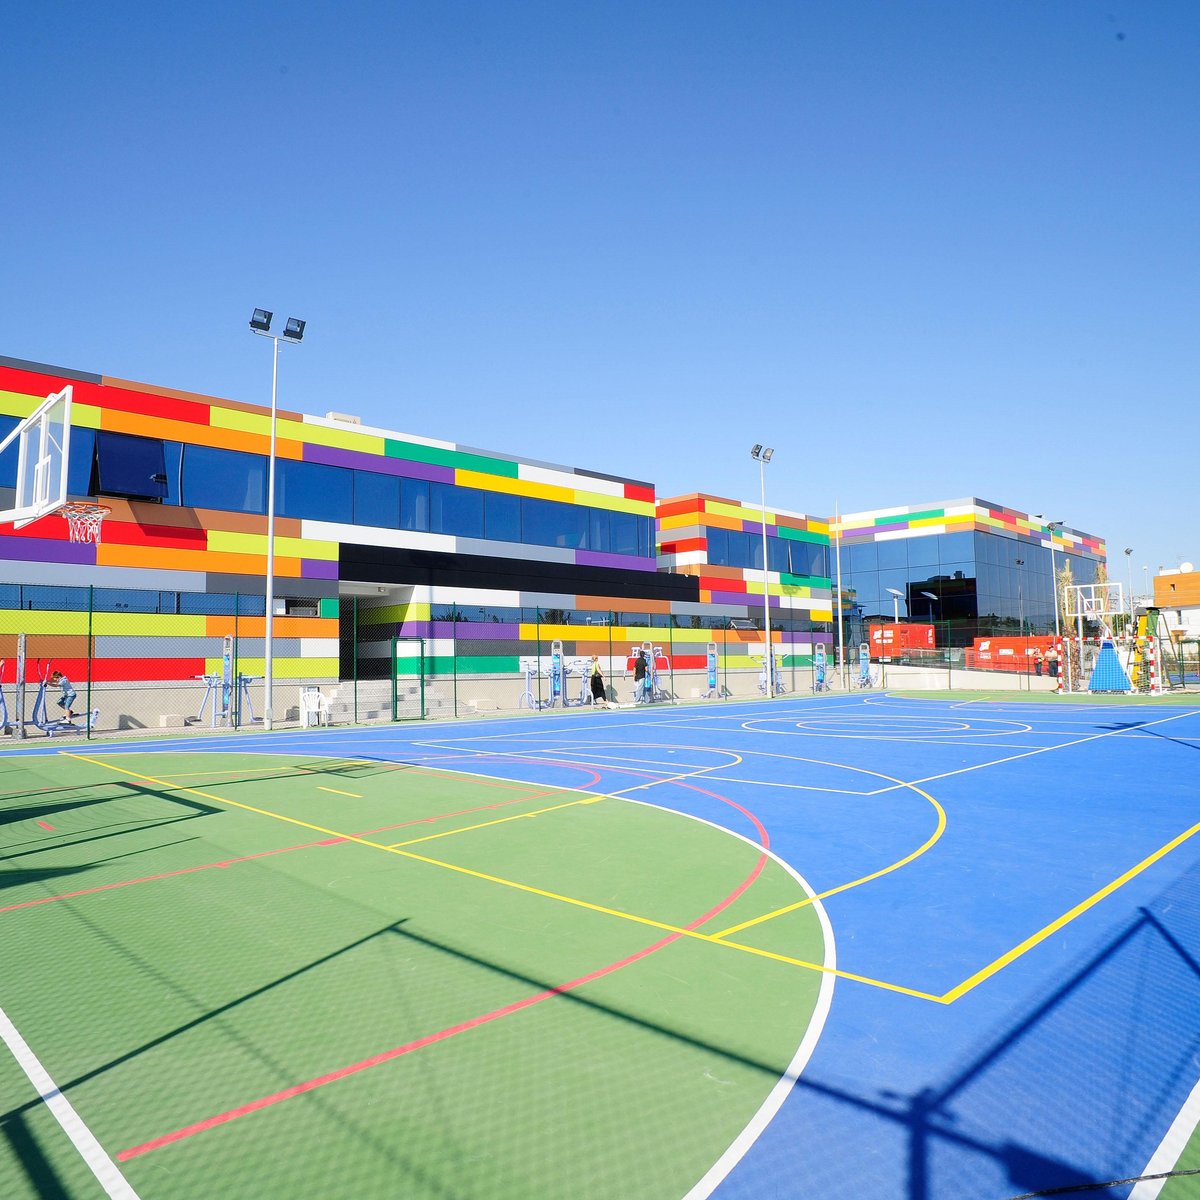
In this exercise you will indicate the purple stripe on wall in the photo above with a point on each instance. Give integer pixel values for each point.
(756, 527)
(331, 456)
(742, 598)
(473, 631)
(27, 549)
(594, 558)
(318, 568)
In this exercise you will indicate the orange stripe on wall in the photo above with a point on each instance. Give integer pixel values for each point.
(210, 561)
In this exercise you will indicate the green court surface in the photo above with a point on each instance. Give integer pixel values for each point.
(267, 976)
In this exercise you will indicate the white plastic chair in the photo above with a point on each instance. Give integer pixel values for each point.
(314, 707)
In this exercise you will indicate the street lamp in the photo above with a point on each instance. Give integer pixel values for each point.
(762, 455)
(293, 333)
(1129, 569)
(931, 598)
(1020, 596)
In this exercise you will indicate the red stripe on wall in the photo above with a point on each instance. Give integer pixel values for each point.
(114, 670)
(632, 492)
(130, 533)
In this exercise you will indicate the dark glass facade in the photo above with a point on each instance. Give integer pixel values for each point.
(970, 584)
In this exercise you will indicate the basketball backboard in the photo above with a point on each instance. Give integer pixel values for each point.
(44, 439)
(1094, 601)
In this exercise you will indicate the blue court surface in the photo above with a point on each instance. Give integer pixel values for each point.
(1013, 895)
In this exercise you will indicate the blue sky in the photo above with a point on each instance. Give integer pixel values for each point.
(926, 250)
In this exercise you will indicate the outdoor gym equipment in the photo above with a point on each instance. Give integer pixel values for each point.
(64, 724)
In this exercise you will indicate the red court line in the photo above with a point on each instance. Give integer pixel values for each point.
(44, 825)
(441, 1035)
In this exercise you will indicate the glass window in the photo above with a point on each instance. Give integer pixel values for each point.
(125, 600)
(10, 596)
(376, 499)
(599, 530)
(8, 460)
(313, 491)
(79, 461)
(777, 555)
(127, 465)
(892, 554)
(624, 533)
(718, 546)
(955, 547)
(646, 547)
(501, 517)
(923, 551)
(61, 599)
(222, 604)
(455, 510)
(414, 504)
(224, 479)
(864, 557)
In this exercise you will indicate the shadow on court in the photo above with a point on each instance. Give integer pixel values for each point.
(1071, 1098)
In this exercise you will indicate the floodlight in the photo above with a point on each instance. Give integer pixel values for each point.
(767, 454)
(755, 451)
(896, 591)
(929, 595)
(294, 329)
(261, 321)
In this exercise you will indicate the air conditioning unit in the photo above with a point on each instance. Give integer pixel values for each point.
(345, 418)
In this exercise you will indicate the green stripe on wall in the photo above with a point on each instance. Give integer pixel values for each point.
(803, 535)
(438, 457)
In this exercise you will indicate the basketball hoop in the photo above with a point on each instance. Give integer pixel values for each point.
(84, 519)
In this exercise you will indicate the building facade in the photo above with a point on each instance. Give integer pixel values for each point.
(486, 562)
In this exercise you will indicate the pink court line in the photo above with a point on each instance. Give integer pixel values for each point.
(44, 825)
(229, 862)
(431, 1039)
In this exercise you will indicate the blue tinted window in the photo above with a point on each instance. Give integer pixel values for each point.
(501, 517)
(778, 558)
(8, 460)
(547, 523)
(10, 596)
(222, 604)
(599, 530)
(125, 600)
(718, 546)
(646, 537)
(624, 528)
(863, 557)
(955, 547)
(455, 510)
(64, 599)
(224, 479)
(414, 504)
(79, 461)
(893, 553)
(376, 499)
(127, 465)
(313, 491)
(923, 551)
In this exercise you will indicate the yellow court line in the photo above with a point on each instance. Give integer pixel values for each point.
(665, 926)
(1042, 934)
(352, 795)
(930, 841)
(498, 821)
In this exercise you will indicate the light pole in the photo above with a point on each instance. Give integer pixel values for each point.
(931, 598)
(1020, 596)
(762, 455)
(1129, 569)
(896, 594)
(293, 333)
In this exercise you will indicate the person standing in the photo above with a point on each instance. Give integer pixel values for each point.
(639, 677)
(1037, 661)
(597, 680)
(67, 699)
(1052, 661)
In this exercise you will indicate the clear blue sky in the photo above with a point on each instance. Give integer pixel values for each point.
(925, 249)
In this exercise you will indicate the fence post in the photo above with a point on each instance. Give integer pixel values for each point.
(354, 656)
(91, 646)
(671, 644)
(237, 689)
(454, 656)
(537, 629)
(611, 618)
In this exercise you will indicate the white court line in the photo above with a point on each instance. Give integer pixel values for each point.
(1045, 750)
(103, 1167)
(1163, 1160)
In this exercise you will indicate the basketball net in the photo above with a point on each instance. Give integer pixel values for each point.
(84, 520)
